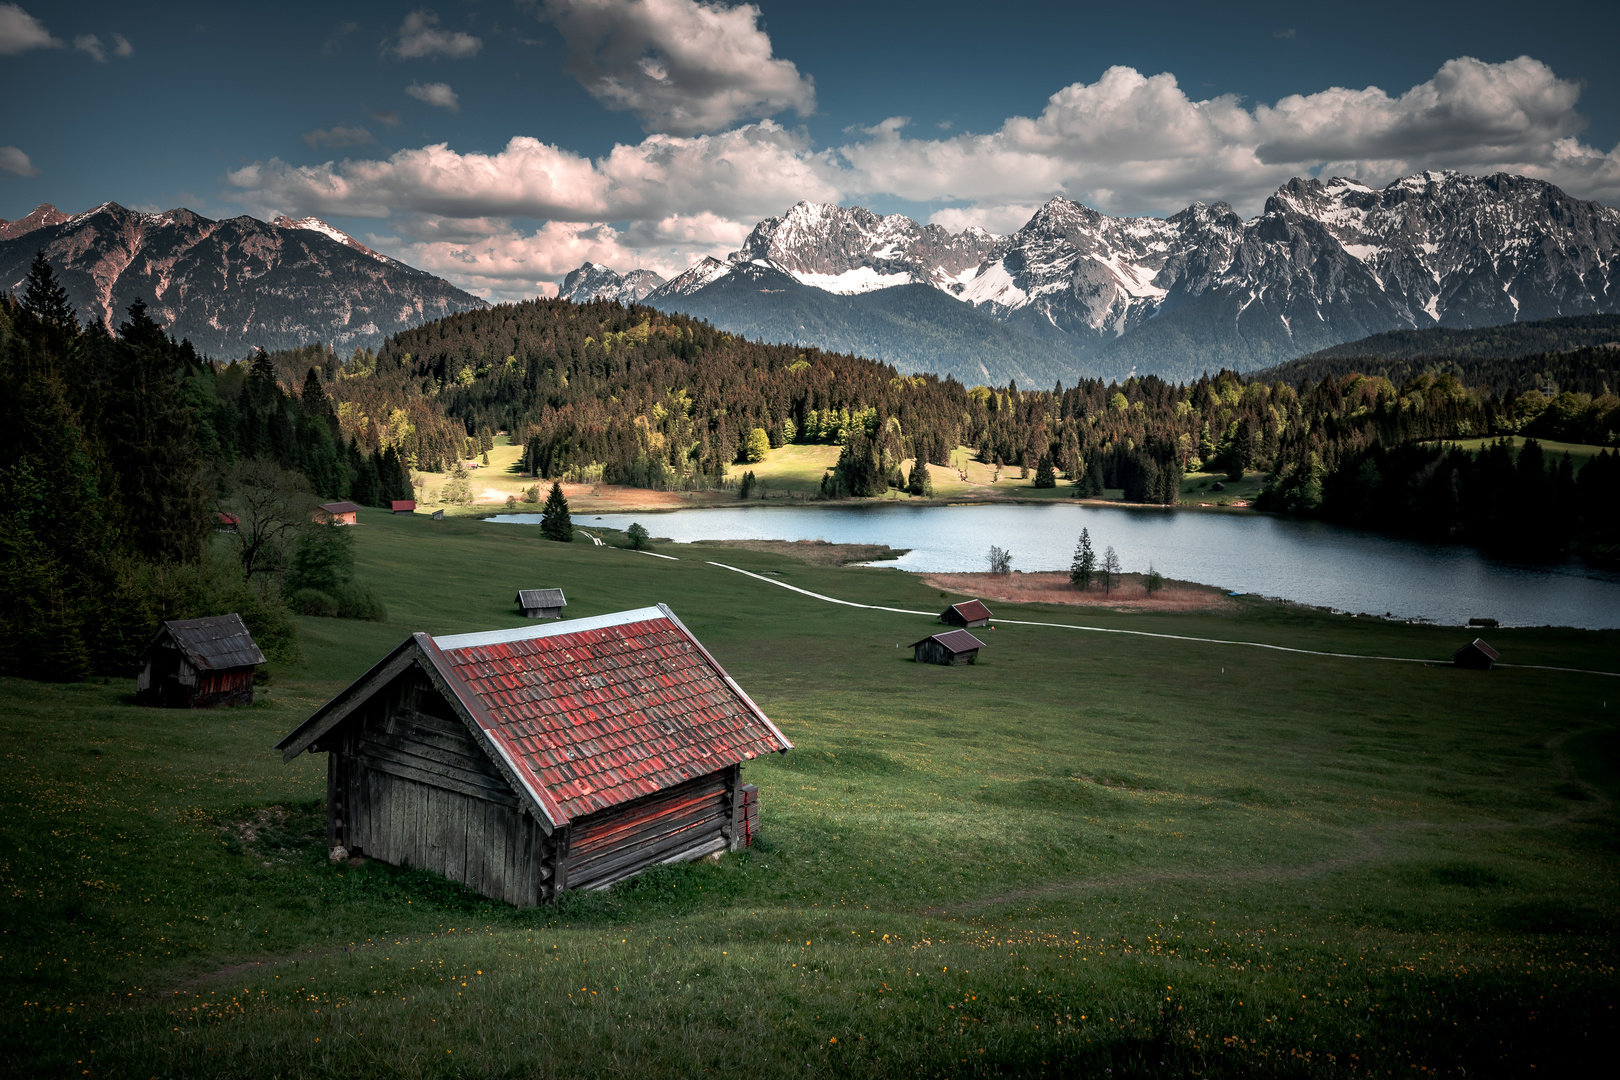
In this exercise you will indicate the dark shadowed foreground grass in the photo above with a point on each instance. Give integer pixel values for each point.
(1088, 852)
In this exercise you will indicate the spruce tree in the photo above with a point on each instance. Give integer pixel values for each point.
(1084, 566)
(1045, 476)
(555, 524)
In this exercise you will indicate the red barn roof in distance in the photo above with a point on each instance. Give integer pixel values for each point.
(971, 610)
(957, 641)
(342, 507)
(400, 506)
(587, 713)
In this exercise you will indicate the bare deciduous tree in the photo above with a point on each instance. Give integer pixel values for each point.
(1000, 561)
(270, 504)
(1109, 570)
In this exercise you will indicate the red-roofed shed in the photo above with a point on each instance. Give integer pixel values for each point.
(337, 513)
(403, 506)
(525, 762)
(1477, 655)
(949, 647)
(967, 613)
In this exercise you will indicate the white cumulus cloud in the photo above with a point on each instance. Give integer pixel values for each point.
(1126, 143)
(749, 172)
(680, 66)
(20, 31)
(420, 36)
(435, 93)
(92, 45)
(1136, 143)
(15, 162)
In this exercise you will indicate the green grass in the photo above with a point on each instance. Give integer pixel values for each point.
(1579, 453)
(1086, 852)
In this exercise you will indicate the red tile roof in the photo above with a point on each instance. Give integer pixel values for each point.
(401, 506)
(971, 610)
(599, 711)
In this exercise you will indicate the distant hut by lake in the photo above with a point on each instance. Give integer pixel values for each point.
(526, 762)
(1476, 655)
(950, 647)
(968, 613)
(403, 506)
(541, 603)
(198, 664)
(338, 513)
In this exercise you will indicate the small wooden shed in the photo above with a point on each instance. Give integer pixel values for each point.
(198, 664)
(338, 513)
(541, 603)
(226, 523)
(1476, 655)
(967, 613)
(403, 506)
(525, 762)
(950, 647)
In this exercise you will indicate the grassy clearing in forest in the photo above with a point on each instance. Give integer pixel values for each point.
(1087, 851)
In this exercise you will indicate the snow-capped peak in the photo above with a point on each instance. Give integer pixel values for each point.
(315, 224)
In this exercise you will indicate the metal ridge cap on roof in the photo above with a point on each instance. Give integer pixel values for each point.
(736, 688)
(528, 633)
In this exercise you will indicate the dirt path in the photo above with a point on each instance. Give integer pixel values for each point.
(1167, 637)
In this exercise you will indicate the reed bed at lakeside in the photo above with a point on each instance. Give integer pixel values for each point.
(1086, 852)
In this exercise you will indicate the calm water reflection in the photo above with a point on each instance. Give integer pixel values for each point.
(1304, 561)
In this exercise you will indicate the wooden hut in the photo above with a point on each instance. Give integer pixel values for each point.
(338, 513)
(226, 523)
(1476, 655)
(950, 647)
(403, 506)
(541, 603)
(968, 613)
(198, 664)
(525, 762)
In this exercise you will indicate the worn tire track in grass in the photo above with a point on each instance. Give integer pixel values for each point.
(1150, 634)
(1368, 837)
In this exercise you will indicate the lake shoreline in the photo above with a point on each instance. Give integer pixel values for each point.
(1299, 561)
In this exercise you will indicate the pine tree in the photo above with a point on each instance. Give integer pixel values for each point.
(919, 482)
(1045, 477)
(1084, 566)
(555, 523)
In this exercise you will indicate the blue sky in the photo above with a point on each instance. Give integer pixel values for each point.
(500, 144)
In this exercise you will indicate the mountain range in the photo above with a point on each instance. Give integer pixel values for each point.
(1078, 293)
(231, 285)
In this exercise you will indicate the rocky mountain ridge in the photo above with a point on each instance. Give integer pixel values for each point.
(1325, 262)
(230, 285)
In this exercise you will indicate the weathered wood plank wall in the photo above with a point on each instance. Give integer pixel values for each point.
(410, 787)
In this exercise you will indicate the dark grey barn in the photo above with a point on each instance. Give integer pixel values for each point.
(541, 603)
(950, 647)
(198, 664)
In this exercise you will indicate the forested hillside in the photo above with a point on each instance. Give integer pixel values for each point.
(665, 401)
(119, 449)
(119, 453)
(1497, 342)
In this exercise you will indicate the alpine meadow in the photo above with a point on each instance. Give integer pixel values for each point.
(681, 538)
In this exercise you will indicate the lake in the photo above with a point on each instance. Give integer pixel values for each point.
(1308, 562)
